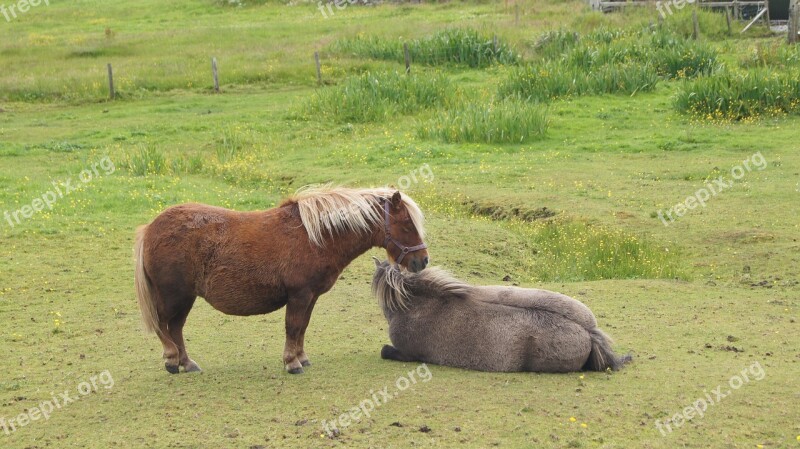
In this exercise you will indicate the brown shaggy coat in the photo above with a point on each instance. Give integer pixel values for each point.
(250, 263)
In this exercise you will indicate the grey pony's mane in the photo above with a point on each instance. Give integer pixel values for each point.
(394, 288)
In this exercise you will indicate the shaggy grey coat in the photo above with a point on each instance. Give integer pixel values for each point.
(435, 318)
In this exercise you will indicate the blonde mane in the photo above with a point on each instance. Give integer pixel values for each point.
(394, 287)
(326, 210)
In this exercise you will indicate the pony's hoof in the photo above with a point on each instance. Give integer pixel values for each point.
(306, 363)
(192, 367)
(172, 369)
(387, 352)
(296, 371)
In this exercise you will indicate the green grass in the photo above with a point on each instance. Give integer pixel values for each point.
(573, 210)
(577, 251)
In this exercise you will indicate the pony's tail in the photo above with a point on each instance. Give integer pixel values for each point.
(602, 357)
(143, 287)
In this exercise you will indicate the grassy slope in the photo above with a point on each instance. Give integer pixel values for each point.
(611, 160)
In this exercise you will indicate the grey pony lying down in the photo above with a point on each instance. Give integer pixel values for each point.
(435, 318)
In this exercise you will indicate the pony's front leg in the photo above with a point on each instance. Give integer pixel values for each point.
(298, 314)
(389, 352)
(301, 355)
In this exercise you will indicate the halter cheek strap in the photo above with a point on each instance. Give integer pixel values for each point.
(403, 249)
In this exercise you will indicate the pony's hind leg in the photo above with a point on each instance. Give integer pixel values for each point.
(171, 350)
(176, 332)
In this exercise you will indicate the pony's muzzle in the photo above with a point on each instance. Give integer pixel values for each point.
(418, 264)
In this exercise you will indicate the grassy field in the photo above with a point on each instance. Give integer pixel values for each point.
(542, 161)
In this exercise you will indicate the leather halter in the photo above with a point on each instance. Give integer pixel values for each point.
(403, 249)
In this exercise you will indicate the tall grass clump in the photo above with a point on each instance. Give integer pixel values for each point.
(373, 97)
(774, 54)
(148, 160)
(571, 250)
(370, 46)
(545, 82)
(229, 145)
(461, 46)
(607, 61)
(673, 55)
(738, 96)
(456, 46)
(552, 44)
(679, 57)
(504, 121)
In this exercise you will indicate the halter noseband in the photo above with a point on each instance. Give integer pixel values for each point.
(403, 249)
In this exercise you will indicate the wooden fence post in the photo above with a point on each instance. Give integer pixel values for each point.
(216, 75)
(792, 26)
(728, 19)
(319, 69)
(695, 25)
(407, 57)
(111, 93)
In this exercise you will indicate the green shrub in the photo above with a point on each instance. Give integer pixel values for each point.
(506, 121)
(373, 97)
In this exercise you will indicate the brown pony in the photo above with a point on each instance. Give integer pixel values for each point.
(251, 263)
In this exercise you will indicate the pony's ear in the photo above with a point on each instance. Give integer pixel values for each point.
(377, 262)
(396, 199)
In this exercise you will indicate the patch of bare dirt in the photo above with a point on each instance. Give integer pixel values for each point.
(500, 212)
(746, 237)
